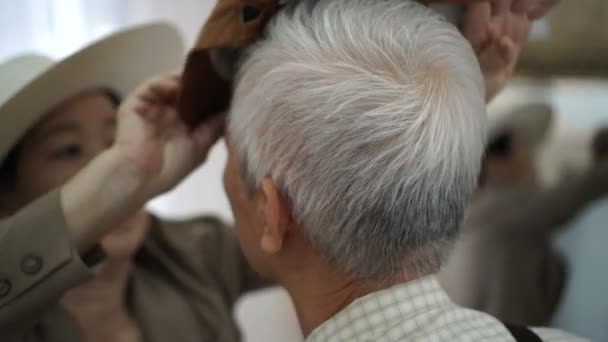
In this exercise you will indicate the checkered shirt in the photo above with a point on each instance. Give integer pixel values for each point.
(417, 311)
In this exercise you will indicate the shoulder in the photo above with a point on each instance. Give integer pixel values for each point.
(555, 335)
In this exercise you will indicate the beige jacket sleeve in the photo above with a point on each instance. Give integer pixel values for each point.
(37, 265)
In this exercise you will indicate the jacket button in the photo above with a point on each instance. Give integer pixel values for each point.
(31, 264)
(5, 287)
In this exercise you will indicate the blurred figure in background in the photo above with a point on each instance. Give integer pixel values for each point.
(504, 263)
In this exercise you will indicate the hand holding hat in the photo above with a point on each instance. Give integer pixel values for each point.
(153, 151)
(160, 148)
(533, 9)
(498, 36)
(496, 28)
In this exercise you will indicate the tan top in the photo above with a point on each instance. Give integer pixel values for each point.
(503, 263)
(186, 279)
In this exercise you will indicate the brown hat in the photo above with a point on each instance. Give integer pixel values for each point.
(233, 25)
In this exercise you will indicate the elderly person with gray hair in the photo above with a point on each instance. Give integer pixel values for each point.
(355, 138)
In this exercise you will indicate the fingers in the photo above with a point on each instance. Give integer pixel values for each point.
(476, 25)
(163, 91)
(501, 7)
(510, 42)
(522, 6)
(156, 92)
(535, 9)
(498, 63)
(541, 8)
(156, 99)
(508, 52)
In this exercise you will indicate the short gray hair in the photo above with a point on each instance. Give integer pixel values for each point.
(370, 116)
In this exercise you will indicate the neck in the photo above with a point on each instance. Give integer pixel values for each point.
(318, 293)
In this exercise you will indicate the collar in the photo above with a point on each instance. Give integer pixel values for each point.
(378, 312)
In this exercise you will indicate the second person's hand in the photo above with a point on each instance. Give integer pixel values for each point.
(152, 153)
(151, 136)
(534, 9)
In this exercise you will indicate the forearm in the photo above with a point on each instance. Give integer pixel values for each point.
(101, 195)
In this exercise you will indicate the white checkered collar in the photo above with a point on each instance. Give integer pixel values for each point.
(376, 313)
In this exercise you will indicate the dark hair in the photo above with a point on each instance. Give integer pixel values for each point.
(600, 143)
(112, 95)
(500, 146)
(8, 168)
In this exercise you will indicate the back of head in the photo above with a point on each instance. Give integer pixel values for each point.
(370, 116)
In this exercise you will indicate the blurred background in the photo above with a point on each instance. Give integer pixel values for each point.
(565, 64)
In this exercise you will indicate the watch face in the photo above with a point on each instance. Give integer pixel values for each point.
(452, 12)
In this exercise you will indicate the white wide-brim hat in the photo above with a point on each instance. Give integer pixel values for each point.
(31, 85)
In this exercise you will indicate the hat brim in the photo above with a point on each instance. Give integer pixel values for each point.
(119, 62)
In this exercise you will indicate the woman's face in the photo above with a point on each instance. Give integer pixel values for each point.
(63, 142)
(59, 146)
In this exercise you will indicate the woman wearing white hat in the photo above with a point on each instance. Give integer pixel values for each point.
(59, 129)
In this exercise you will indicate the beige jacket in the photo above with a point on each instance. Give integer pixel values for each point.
(503, 263)
(187, 277)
